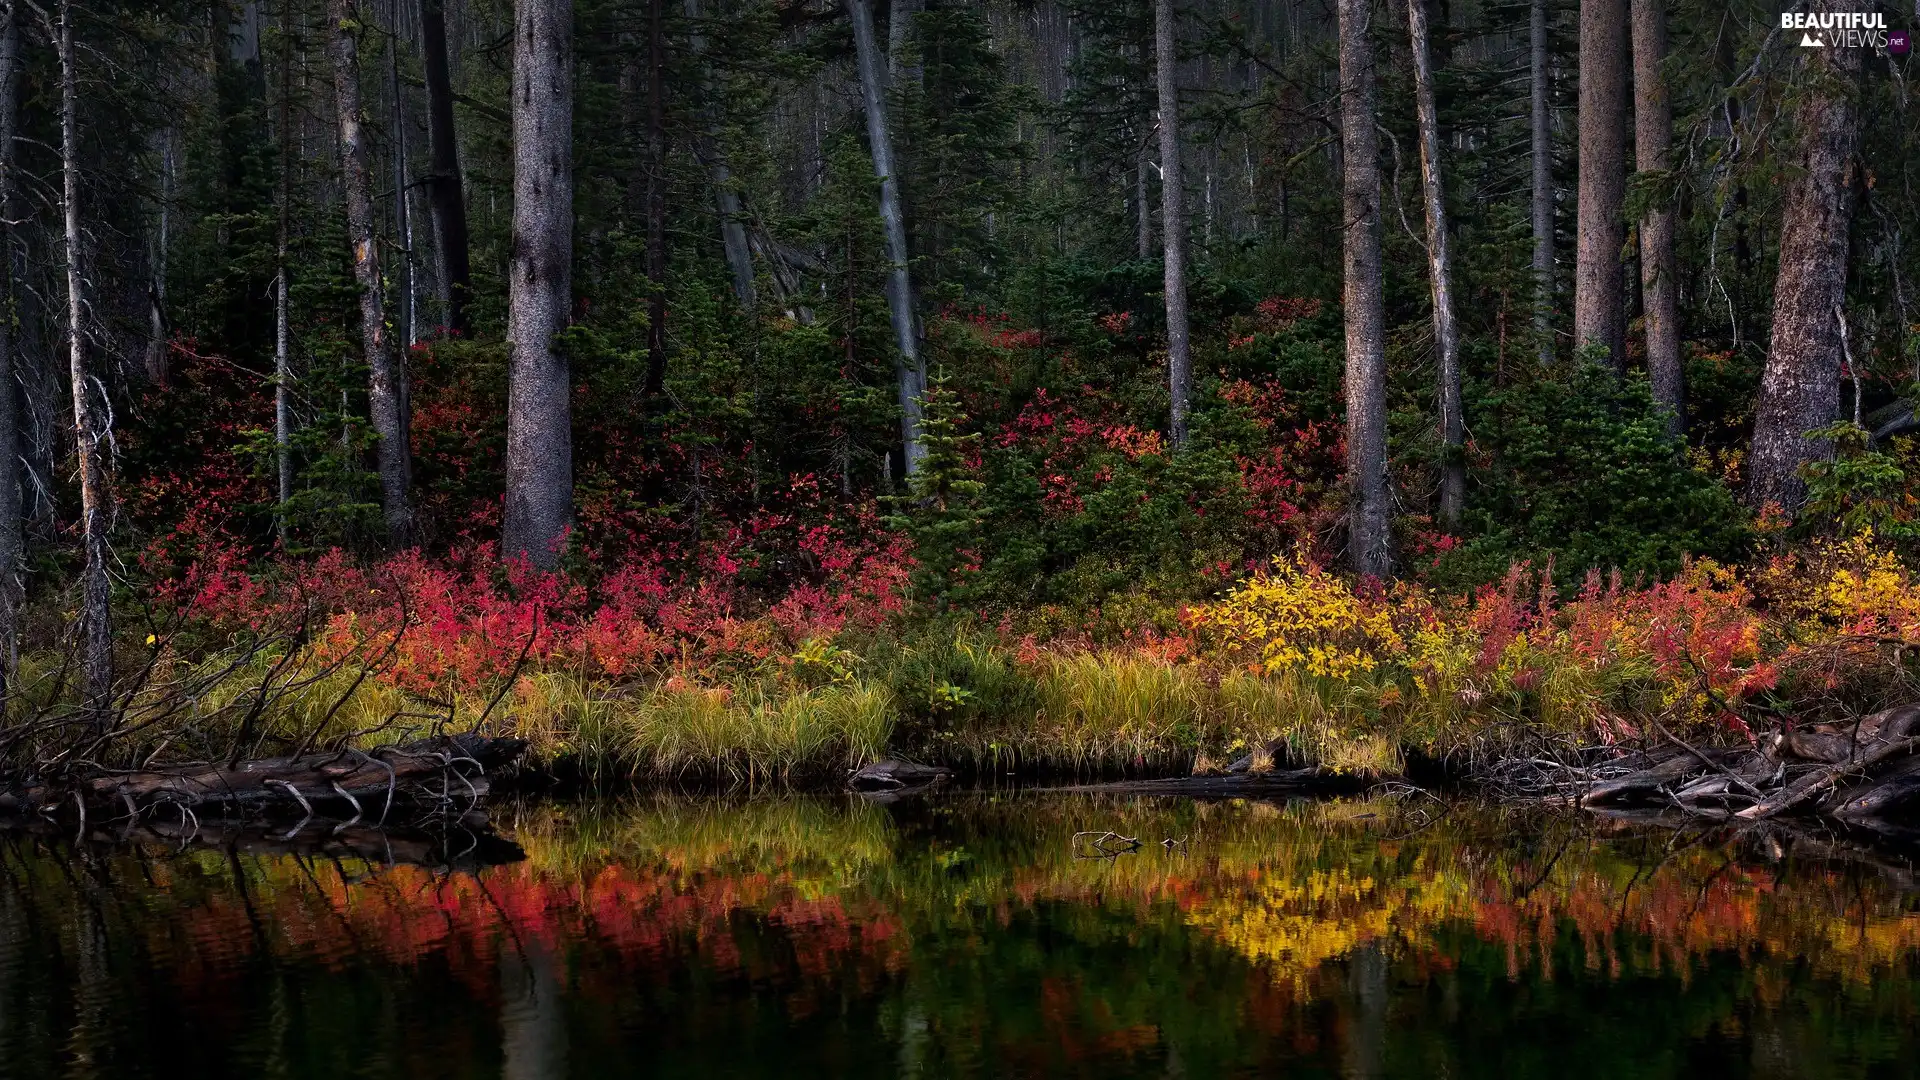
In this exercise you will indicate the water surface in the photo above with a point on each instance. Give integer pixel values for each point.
(712, 937)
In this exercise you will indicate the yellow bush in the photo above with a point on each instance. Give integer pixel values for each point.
(1299, 617)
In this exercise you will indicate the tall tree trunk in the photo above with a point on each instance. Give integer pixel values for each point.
(1542, 185)
(733, 226)
(445, 202)
(1368, 545)
(1652, 140)
(1143, 220)
(900, 18)
(656, 202)
(1446, 334)
(1173, 222)
(12, 533)
(96, 615)
(156, 360)
(282, 310)
(1800, 389)
(386, 373)
(1599, 292)
(911, 368)
(403, 319)
(540, 284)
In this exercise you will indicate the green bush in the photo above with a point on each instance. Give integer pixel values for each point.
(1582, 471)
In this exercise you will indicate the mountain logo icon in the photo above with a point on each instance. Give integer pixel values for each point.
(1808, 41)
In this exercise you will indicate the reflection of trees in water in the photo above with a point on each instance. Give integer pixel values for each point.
(533, 1023)
(966, 928)
(1365, 1039)
(13, 931)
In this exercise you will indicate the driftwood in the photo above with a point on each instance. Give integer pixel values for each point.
(1855, 772)
(351, 784)
(895, 775)
(1277, 783)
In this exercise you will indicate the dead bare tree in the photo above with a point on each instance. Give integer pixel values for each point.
(89, 430)
(1446, 332)
(386, 370)
(911, 369)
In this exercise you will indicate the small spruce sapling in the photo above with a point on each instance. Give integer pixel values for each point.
(942, 512)
(1862, 487)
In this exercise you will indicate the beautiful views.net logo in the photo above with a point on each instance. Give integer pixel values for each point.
(1844, 30)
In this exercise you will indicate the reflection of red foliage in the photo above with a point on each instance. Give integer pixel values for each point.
(650, 918)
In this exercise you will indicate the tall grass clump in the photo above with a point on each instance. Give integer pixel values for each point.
(678, 730)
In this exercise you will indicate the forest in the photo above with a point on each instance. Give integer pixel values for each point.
(746, 390)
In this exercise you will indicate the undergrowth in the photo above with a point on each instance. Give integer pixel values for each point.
(644, 679)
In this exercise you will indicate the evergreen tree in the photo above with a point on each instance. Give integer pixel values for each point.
(943, 510)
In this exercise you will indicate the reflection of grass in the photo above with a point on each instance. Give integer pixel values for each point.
(1288, 887)
(746, 835)
(1285, 890)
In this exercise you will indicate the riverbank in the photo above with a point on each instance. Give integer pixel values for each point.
(626, 683)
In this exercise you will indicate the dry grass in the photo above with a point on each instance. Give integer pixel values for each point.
(963, 699)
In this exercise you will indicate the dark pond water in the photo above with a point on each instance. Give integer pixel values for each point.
(963, 937)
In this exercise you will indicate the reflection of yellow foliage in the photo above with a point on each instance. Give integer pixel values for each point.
(1290, 888)
(1299, 617)
(1296, 925)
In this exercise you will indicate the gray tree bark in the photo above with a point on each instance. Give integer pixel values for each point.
(282, 313)
(1446, 333)
(96, 613)
(386, 372)
(403, 317)
(733, 226)
(1800, 388)
(1652, 143)
(911, 368)
(1599, 292)
(899, 34)
(445, 202)
(157, 345)
(1173, 222)
(12, 533)
(1542, 184)
(656, 203)
(540, 285)
(1143, 218)
(1368, 543)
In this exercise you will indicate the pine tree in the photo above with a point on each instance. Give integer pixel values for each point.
(942, 512)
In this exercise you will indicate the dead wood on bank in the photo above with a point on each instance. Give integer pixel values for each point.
(1862, 772)
(432, 776)
(1276, 783)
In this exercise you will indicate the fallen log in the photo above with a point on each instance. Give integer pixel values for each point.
(1666, 770)
(1885, 790)
(439, 770)
(1839, 743)
(1878, 800)
(894, 774)
(1279, 783)
(1853, 771)
(1820, 781)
